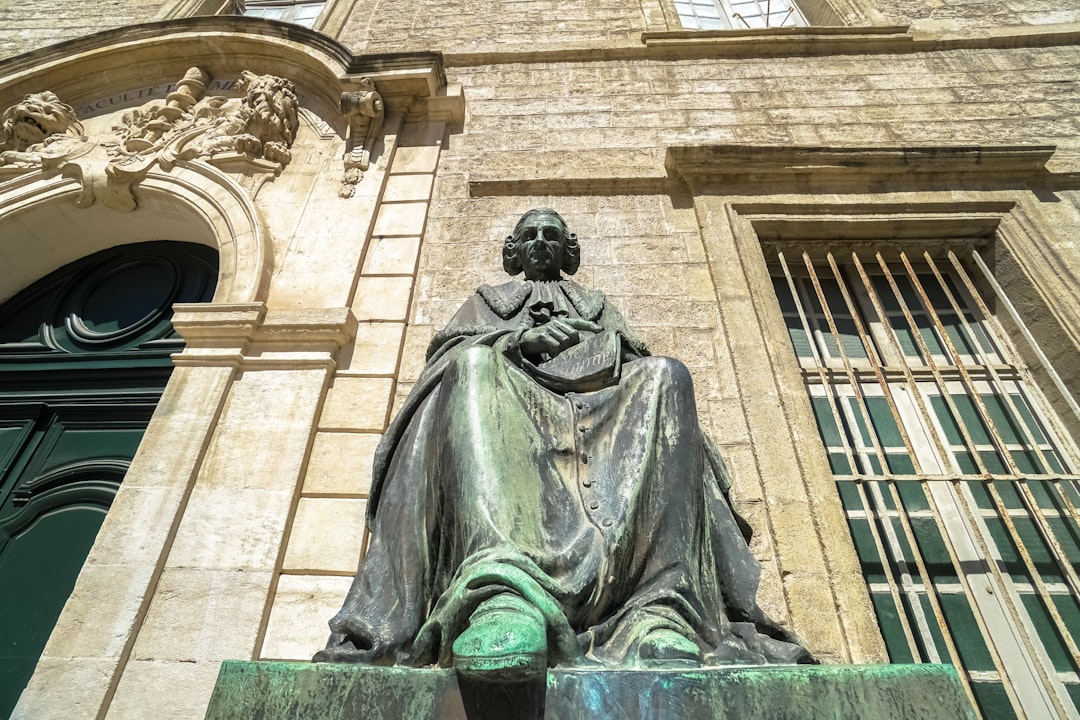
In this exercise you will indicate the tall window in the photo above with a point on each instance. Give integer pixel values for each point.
(959, 482)
(738, 14)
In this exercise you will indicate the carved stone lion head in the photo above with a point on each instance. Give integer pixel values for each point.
(271, 107)
(38, 116)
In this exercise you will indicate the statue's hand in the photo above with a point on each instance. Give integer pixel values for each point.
(551, 338)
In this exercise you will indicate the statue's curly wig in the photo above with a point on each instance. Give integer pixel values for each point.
(571, 248)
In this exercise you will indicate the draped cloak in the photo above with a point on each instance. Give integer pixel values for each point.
(590, 491)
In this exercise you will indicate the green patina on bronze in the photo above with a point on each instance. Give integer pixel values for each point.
(280, 691)
(546, 497)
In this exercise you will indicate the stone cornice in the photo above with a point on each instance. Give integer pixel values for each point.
(124, 58)
(212, 28)
(781, 42)
(249, 336)
(769, 168)
(855, 40)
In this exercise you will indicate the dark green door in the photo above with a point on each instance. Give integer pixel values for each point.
(84, 358)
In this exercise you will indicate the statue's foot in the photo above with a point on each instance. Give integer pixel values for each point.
(664, 646)
(506, 641)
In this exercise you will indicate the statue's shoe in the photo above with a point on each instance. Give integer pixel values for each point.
(666, 647)
(506, 641)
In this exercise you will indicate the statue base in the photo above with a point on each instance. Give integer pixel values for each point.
(323, 691)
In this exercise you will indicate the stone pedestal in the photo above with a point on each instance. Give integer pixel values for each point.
(302, 691)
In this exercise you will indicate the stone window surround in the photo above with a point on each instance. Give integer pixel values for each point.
(748, 195)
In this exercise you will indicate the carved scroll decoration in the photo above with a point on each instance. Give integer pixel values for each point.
(250, 137)
(251, 134)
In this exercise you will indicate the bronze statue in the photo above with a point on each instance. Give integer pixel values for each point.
(546, 497)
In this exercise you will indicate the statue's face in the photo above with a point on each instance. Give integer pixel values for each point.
(540, 247)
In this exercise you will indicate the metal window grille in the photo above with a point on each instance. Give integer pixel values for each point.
(738, 14)
(958, 480)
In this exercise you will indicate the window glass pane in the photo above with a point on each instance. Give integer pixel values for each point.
(993, 701)
(867, 550)
(913, 496)
(884, 423)
(830, 434)
(935, 630)
(900, 464)
(1069, 611)
(738, 14)
(891, 628)
(991, 423)
(306, 15)
(881, 495)
(849, 496)
(928, 334)
(1074, 693)
(799, 339)
(1067, 534)
(1048, 633)
(965, 631)
(1010, 556)
(1046, 495)
(271, 13)
(934, 552)
(1008, 493)
(298, 13)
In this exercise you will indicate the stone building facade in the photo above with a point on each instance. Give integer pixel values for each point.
(860, 234)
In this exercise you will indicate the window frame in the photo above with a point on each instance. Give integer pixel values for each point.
(291, 9)
(1009, 630)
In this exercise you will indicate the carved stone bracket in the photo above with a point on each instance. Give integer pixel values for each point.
(365, 110)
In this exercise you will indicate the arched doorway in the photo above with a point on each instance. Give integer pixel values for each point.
(84, 358)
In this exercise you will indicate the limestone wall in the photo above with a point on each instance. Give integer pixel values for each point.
(636, 109)
(256, 471)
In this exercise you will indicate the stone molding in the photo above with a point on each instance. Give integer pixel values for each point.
(246, 336)
(247, 138)
(774, 168)
(855, 39)
(771, 169)
(315, 63)
(771, 42)
(213, 208)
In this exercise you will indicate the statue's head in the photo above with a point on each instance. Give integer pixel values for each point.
(541, 246)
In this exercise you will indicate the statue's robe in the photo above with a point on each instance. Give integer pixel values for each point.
(589, 490)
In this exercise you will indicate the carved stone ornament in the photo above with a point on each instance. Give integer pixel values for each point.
(40, 131)
(249, 137)
(365, 110)
(254, 131)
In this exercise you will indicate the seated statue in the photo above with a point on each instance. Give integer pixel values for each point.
(546, 497)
